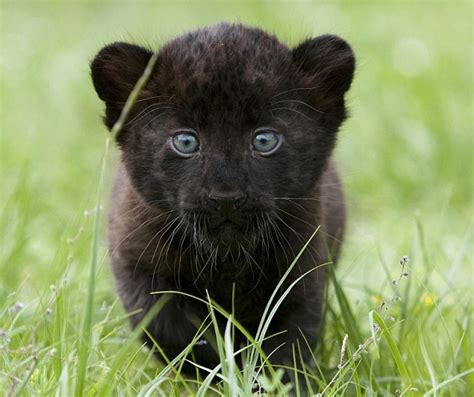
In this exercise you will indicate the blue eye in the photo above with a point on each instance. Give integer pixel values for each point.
(265, 141)
(185, 143)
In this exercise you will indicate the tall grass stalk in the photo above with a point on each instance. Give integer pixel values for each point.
(86, 329)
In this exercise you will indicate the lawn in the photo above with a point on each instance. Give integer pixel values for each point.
(406, 159)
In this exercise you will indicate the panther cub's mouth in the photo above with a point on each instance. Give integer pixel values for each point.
(225, 222)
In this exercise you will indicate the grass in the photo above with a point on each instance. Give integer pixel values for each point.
(405, 157)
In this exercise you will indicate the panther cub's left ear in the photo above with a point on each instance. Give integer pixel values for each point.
(115, 71)
(327, 63)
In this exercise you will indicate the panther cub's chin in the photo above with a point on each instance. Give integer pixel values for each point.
(228, 233)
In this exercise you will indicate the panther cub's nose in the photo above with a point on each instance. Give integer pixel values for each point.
(226, 203)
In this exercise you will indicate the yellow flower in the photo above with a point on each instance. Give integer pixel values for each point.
(428, 300)
(377, 299)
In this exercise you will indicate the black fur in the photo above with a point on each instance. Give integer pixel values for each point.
(168, 232)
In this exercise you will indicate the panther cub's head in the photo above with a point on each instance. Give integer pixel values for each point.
(230, 124)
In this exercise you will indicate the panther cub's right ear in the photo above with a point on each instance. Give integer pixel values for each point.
(115, 70)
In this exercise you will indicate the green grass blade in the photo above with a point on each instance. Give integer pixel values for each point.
(395, 352)
(84, 342)
(448, 381)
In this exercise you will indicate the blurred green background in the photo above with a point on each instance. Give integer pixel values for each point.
(405, 154)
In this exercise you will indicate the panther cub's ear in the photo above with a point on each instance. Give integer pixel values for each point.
(115, 71)
(327, 63)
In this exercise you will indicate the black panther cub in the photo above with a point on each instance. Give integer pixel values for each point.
(225, 173)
